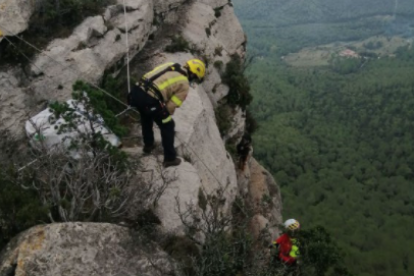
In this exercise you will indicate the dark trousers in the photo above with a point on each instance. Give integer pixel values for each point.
(151, 111)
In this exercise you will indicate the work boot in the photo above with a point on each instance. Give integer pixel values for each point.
(175, 162)
(148, 149)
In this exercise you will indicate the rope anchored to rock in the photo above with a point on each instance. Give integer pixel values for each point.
(80, 74)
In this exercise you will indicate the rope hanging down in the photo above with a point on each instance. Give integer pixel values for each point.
(79, 74)
(127, 46)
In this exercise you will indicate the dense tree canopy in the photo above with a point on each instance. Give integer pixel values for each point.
(338, 138)
(287, 26)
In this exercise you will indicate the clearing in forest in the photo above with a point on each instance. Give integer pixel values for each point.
(320, 55)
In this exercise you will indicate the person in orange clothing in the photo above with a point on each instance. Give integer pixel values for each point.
(287, 244)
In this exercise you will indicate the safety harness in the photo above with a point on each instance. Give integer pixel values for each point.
(148, 83)
(288, 249)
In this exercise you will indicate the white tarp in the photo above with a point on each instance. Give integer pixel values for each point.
(43, 129)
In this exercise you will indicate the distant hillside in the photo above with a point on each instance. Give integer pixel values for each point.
(338, 136)
(340, 145)
(283, 26)
(284, 12)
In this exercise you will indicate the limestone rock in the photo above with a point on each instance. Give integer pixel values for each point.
(238, 123)
(207, 31)
(217, 37)
(81, 249)
(90, 50)
(229, 31)
(15, 102)
(178, 189)
(212, 84)
(215, 3)
(131, 4)
(86, 54)
(200, 138)
(15, 16)
(164, 6)
(198, 141)
(258, 224)
(98, 44)
(265, 198)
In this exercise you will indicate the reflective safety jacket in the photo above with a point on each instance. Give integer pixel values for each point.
(288, 249)
(173, 85)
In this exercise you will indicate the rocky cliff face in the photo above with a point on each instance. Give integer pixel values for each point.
(82, 249)
(97, 46)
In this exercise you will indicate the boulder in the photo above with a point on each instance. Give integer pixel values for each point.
(82, 249)
(175, 190)
(15, 16)
(217, 37)
(43, 129)
(209, 32)
(212, 84)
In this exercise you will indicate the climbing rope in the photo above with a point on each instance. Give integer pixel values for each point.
(79, 74)
(125, 111)
(28, 164)
(127, 46)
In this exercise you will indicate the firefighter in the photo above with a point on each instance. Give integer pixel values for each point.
(287, 244)
(157, 95)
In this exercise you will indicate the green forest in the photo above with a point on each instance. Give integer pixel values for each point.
(296, 24)
(338, 138)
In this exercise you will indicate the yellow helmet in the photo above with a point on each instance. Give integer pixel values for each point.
(292, 224)
(197, 67)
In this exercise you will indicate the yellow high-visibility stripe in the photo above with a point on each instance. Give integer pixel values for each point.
(171, 81)
(294, 226)
(166, 120)
(176, 100)
(1, 33)
(158, 69)
(294, 252)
